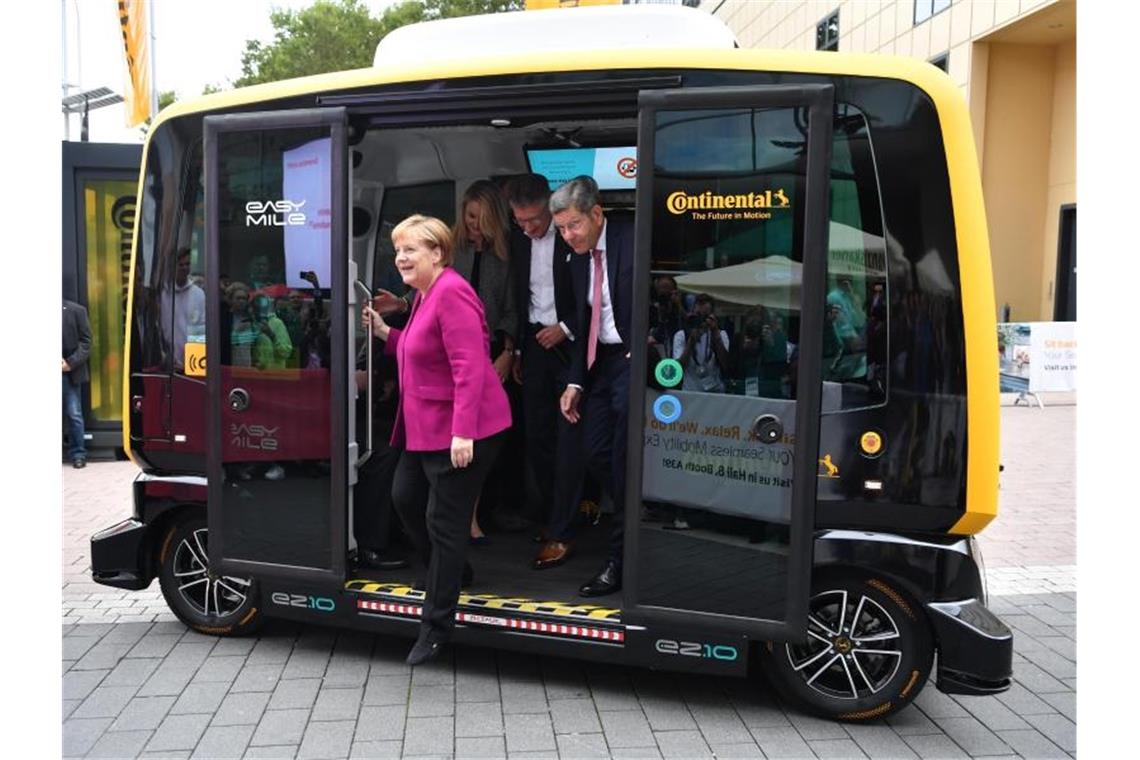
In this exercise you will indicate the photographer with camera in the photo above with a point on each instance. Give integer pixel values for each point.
(702, 349)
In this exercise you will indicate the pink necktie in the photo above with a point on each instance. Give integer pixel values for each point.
(595, 309)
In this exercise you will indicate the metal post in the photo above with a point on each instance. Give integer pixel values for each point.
(153, 65)
(66, 115)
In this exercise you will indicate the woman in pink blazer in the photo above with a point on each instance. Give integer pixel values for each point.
(452, 414)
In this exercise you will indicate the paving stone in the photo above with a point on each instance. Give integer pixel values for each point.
(280, 727)
(127, 633)
(635, 753)
(240, 709)
(740, 751)
(119, 744)
(574, 716)
(306, 664)
(280, 752)
(682, 744)
(972, 736)
(142, 714)
(1032, 744)
(132, 672)
(836, 748)
(270, 651)
(993, 714)
(1057, 728)
(223, 742)
(613, 691)
(529, 732)
(476, 686)
(193, 650)
(1064, 702)
(168, 680)
(81, 734)
(258, 678)
(430, 701)
(665, 714)
(1035, 679)
(233, 646)
(376, 750)
(200, 698)
(477, 719)
(296, 692)
(326, 740)
(381, 723)
(155, 645)
(564, 680)
(178, 732)
(522, 697)
(69, 706)
(439, 672)
(720, 724)
(1023, 702)
(781, 742)
(105, 702)
(75, 647)
(934, 746)
(937, 705)
(626, 728)
(387, 690)
(337, 704)
(104, 655)
(78, 684)
(484, 746)
(582, 746)
(755, 711)
(220, 669)
(878, 741)
(429, 736)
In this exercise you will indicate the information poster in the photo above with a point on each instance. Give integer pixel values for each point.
(1037, 357)
(307, 187)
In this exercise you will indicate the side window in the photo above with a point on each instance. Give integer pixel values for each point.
(855, 325)
(434, 199)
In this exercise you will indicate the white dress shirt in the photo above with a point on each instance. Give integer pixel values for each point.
(607, 328)
(543, 309)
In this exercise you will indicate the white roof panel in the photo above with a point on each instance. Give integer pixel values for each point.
(592, 28)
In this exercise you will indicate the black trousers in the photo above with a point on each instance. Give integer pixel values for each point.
(605, 419)
(372, 495)
(434, 501)
(554, 446)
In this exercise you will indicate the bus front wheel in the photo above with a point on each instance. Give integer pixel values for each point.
(868, 654)
(208, 603)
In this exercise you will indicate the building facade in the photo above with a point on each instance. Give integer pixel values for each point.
(1016, 63)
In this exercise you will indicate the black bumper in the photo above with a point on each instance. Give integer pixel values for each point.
(118, 556)
(975, 648)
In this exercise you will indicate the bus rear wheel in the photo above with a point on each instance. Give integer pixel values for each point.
(868, 654)
(207, 602)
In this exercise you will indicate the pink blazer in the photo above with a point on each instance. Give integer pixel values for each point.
(447, 383)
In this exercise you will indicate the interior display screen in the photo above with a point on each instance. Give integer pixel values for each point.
(611, 168)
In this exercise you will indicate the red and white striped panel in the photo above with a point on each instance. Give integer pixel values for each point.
(557, 629)
(410, 610)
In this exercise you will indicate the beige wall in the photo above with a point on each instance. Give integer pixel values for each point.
(1015, 170)
(1062, 165)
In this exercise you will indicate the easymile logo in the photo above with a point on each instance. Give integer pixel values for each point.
(697, 649)
(282, 213)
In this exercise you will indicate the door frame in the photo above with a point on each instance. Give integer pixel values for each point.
(336, 119)
(818, 99)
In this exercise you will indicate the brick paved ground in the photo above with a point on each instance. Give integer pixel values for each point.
(136, 683)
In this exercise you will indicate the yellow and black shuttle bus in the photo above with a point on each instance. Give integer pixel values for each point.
(829, 480)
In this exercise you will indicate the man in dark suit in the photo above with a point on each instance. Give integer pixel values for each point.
(599, 366)
(547, 330)
(76, 349)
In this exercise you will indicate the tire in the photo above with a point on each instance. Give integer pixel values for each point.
(856, 668)
(226, 606)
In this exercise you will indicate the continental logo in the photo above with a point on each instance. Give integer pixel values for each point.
(680, 202)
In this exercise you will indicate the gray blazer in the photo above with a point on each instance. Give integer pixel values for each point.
(76, 341)
(495, 288)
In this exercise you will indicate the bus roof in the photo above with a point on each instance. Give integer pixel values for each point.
(618, 27)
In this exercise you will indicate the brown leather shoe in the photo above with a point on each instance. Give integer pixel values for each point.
(552, 554)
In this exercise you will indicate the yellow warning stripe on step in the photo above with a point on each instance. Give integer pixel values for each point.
(492, 602)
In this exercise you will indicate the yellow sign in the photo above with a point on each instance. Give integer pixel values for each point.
(831, 467)
(136, 46)
(538, 5)
(194, 359)
(679, 202)
(871, 443)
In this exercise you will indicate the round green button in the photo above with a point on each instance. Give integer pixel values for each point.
(668, 372)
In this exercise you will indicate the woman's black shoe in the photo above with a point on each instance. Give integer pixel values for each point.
(378, 561)
(423, 651)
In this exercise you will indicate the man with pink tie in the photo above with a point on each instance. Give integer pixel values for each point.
(599, 365)
(450, 420)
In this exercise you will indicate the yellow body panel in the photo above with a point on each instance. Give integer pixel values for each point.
(979, 316)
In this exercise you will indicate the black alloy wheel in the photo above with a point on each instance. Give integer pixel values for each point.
(207, 602)
(868, 654)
